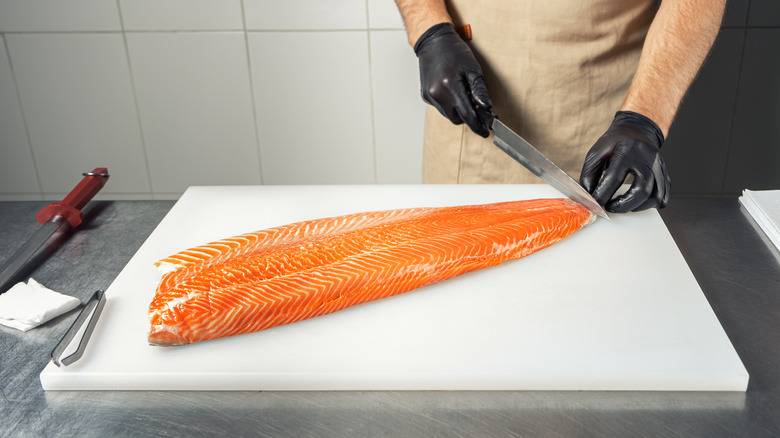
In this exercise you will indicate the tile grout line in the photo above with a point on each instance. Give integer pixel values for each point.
(24, 117)
(371, 94)
(252, 96)
(135, 102)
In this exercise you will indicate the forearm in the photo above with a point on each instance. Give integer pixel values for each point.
(420, 15)
(677, 43)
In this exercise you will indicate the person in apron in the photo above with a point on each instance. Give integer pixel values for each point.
(558, 73)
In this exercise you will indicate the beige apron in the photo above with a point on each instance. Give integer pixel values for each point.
(556, 70)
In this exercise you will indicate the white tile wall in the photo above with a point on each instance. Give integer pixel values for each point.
(383, 14)
(398, 108)
(171, 93)
(18, 178)
(305, 14)
(195, 103)
(313, 101)
(77, 101)
(57, 15)
(182, 14)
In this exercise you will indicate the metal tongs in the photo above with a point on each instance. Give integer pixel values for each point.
(91, 311)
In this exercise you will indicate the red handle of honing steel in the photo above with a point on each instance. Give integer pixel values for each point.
(70, 207)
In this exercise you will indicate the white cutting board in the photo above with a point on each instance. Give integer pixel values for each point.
(612, 307)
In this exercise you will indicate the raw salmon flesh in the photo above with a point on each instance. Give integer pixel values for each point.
(293, 272)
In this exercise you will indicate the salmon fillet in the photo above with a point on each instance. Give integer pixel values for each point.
(293, 272)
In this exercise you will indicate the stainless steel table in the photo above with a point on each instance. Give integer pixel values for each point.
(738, 272)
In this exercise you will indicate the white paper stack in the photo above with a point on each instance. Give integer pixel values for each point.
(764, 207)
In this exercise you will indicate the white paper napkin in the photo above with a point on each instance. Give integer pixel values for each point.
(28, 305)
(764, 208)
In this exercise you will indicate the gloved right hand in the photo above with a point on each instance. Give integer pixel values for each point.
(451, 78)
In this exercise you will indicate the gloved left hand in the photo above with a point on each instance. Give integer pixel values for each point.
(631, 145)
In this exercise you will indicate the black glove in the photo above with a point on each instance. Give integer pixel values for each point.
(451, 78)
(631, 145)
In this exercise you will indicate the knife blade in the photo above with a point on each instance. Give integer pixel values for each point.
(541, 166)
(56, 216)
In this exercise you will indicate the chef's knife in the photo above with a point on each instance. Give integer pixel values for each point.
(57, 215)
(533, 160)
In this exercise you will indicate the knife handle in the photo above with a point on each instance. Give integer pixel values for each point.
(70, 207)
(485, 116)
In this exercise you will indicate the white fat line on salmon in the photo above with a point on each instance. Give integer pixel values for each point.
(167, 268)
(502, 248)
(177, 301)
